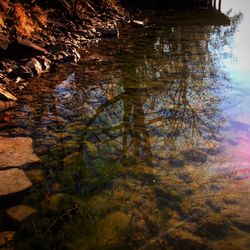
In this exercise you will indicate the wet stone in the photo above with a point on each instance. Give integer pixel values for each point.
(35, 175)
(59, 202)
(20, 213)
(6, 237)
(13, 181)
(16, 152)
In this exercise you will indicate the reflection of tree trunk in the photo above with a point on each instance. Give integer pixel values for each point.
(210, 4)
(127, 107)
(219, 5)
(134, 126)
(141, 135)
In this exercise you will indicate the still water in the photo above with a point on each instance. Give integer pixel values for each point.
(145, 143)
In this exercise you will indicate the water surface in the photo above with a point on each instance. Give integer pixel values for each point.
(145, 143)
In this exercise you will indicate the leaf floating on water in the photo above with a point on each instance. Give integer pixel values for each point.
(91, 147)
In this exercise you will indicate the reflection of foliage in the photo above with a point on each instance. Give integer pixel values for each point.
(171, 97)
(163, 101)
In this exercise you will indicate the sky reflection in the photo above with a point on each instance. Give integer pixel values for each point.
(239, 66)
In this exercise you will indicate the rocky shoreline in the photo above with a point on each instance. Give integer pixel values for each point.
(23, 58)
(60, 41)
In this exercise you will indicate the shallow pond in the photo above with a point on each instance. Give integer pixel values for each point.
(145, 143)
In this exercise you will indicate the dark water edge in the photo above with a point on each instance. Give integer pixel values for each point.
(136, 144)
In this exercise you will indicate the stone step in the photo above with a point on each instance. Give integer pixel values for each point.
(13, 181)
(16, 152)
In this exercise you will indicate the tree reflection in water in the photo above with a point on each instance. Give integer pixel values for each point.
(141, 125)
(170, 99)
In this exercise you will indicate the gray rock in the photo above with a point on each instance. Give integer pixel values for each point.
(13, 181)
(16, 152)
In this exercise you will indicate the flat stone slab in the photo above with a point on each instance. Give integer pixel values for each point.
(13, 181)
(20, 213)
(16, 152)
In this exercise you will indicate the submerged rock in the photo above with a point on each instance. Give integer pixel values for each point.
(112, 228)
(20, 213)
(168, 198)
(13, 181)
(16, 152)
(35, 175)
(180, 238)
(176, 162)
(72, 159)
(6, 237)
(214, 229)
(195, 156)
